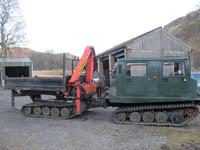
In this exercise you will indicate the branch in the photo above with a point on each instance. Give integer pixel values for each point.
(11, 24)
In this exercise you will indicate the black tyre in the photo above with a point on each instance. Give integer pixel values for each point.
(37, 111)
(135, 117)
(161, 117)
(26, 110)
(65, 112)
(119, 117)
(46, 111)
(55, 112)
(148, 117)
(177, 118)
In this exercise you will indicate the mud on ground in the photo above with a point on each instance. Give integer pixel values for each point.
(93, 130)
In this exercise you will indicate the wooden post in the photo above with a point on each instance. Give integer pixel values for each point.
(100, 69)
(72, 66)
(111, 62)
(12, 98)
(126, 53)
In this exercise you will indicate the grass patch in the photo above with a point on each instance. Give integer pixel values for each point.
(50, 73)
(179, 139)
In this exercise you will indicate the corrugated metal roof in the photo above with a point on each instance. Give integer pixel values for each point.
(15, 60)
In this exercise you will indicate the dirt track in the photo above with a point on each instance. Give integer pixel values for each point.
(93, 130)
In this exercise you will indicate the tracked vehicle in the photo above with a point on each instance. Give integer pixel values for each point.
(153, 91)
(147, 91)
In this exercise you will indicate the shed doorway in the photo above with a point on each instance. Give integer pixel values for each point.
(17, 71)
(106, 72)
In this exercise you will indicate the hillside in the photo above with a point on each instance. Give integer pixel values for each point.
(19, 52)
(41, 61)
(187, 29)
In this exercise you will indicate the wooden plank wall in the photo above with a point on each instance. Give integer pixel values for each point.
(156, 44)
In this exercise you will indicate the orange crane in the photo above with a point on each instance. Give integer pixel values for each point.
(88, 86)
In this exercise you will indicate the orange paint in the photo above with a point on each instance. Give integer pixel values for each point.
(78, 106)
(154, 77)
(91, 88)
(78, 101)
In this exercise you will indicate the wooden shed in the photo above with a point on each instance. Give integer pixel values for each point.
(155, 43)
(15, 67)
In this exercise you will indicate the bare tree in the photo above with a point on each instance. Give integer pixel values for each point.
(11, 25)
(49, 51)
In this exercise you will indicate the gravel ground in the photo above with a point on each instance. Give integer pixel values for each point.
(92, 130)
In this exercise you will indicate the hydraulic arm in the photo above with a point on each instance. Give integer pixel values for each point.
(84, 86)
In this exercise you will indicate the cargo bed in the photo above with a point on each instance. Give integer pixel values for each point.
(35, 83)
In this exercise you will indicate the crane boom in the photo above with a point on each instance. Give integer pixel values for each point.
(87, 60)
(86, 87)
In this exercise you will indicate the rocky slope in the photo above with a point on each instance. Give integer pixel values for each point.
(187, 29)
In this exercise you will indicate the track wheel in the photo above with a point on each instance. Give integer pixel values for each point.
(177, 117)
(161, 117)
(46, 111)
(55, 112)
(65, 112)
(26, 110)
(37, 111)
(135, 117)
(119, 117)
(148, 117)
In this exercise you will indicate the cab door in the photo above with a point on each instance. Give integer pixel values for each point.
(136, 78)
(173, 81)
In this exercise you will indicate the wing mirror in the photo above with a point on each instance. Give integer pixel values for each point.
(111, 73)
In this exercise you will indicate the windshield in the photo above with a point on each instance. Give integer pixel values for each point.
(195, 76)
(95, 75)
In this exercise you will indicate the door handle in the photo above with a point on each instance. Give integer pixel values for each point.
(128, 79)
(165, 80)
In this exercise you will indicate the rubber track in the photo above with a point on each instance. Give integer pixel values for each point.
(59, 105)
(166, 107)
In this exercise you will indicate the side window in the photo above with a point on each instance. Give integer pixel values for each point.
(173, 69)
(136, 69)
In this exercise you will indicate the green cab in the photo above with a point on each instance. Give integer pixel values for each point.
(152, 80)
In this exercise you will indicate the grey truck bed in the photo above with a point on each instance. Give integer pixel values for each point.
(35, 83)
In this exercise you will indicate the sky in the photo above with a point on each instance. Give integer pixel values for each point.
(71, 25)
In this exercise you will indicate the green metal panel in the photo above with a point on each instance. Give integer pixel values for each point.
(154, 86)
(136, 85)
(175, 85)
